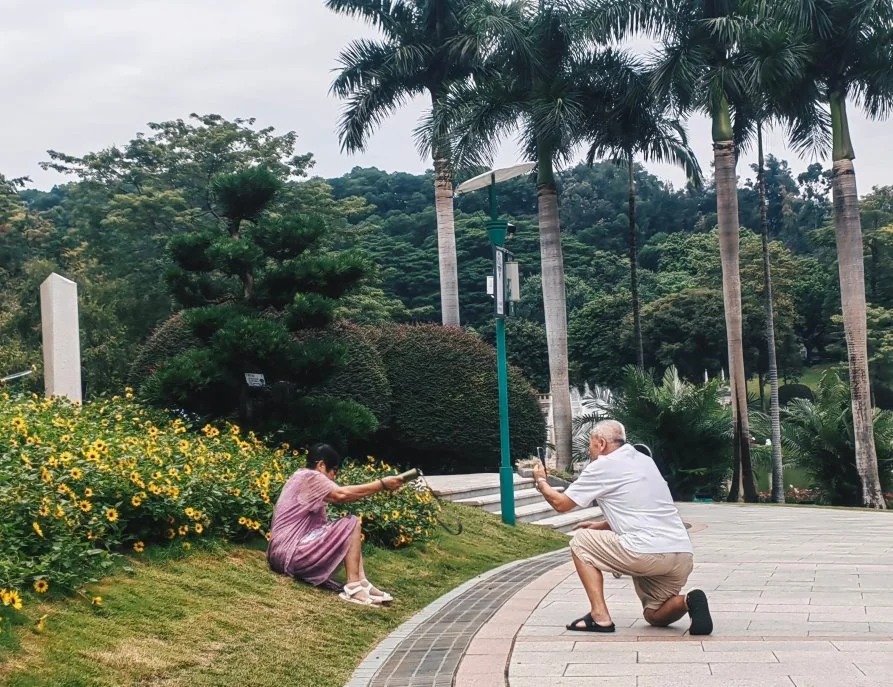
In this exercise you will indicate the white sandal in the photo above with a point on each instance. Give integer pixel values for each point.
(380, 598)
(351, 589)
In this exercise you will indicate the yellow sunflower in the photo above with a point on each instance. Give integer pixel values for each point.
(183, 530)
(96, 601)
(199, 528)
(111, 514)
(136, 501)
(139, 547)
(41, 586)
(44, 510)
(76, 473)
(37, 529)
(88, 492)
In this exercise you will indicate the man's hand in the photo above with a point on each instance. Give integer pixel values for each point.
(392, 483)
(539, 472)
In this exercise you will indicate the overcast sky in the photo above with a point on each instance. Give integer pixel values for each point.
(80, 75)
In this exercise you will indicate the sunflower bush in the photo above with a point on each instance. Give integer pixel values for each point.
(81, 484)
(390, 519)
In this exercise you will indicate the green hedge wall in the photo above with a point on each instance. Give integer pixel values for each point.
(445, 415)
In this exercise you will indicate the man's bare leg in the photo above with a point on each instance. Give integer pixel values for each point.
(671, 611)
(594, 584)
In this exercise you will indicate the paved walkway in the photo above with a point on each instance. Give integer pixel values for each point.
(801, 597)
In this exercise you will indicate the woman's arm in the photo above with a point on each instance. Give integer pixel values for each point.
(355, 492)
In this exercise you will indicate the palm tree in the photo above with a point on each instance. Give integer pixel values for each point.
(847, 53)
(641, 125)
(699, 68)
(427, 46)
(547, 83)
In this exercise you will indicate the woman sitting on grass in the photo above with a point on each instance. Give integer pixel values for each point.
(306, 545)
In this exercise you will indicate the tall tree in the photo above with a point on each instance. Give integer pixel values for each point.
(548, 83)
(698, 66)
(847, 55)
(427, 46)
(640, 125)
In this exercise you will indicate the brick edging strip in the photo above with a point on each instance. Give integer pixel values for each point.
(427, 649)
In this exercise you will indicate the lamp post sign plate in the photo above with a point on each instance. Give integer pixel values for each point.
(499, 269)
(254, 379)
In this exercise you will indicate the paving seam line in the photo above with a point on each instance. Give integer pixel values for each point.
(364, 673)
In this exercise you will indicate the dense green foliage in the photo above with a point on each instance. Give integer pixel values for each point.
(444, 414)
(818, 437)
(249, 286)
(685, 426)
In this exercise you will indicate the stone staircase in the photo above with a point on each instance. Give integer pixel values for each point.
(482, 491)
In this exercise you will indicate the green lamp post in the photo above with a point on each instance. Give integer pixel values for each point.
(496, 230)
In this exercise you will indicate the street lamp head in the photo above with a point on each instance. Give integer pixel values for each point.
(494, 176)
(510, 230)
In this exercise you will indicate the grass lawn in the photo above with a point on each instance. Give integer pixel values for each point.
(810, 376)
(218, 616)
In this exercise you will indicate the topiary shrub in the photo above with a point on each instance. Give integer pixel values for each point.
(788, 392)
(445, 413)
(170, 338)
(361, 376)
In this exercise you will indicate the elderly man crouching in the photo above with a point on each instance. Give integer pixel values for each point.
(642, 535)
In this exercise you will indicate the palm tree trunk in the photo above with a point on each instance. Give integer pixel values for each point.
(743, 488)
(446, 242)
(552, 268)
(633, 265)
(848, 230)
(774, 413)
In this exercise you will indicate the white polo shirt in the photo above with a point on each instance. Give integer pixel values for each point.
(635, 500)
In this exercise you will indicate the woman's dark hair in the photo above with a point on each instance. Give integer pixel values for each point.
(326, 454)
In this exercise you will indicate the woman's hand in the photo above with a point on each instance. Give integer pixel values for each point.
(392, 483)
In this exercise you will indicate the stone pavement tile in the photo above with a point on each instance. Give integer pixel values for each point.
(835, 674)
(880, 628)
(775, 598)
(837, 599)
(531, 631)
(689, 672)
(842, 615)
(481, 665)
(528, 644)
(868, 657)
(671, 681)
(482, 645)
(696, 654)
(628, 681)
(600, 654)
(812, 681)
(864, 645)
(769, 645)
(464, 680)
(878, 598)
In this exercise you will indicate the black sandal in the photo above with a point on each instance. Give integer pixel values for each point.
(589, 625)
(699, 612)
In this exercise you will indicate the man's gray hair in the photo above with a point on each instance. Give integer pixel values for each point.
(610, 430)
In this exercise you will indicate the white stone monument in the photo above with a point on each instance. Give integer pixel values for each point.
(61, 337)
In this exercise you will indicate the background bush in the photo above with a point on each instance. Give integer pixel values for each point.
(817, 436)
(390, 519)
(685, 426)
(788, 392)
(445, 415)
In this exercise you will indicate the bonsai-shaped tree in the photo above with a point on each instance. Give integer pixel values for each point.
(252, 287)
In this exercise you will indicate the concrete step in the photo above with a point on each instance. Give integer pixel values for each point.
(493, 502)
(564, 522)
(464, 487)
(532, 512)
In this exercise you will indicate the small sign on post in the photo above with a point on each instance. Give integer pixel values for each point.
(499, 278)
(255, 379)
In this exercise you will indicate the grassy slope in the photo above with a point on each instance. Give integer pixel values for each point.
(219, 617)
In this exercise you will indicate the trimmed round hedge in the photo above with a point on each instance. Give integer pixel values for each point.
(445, 412)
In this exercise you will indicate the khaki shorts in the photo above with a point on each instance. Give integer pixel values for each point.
(656, 576)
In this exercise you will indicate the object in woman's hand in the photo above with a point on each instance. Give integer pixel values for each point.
(409, 475)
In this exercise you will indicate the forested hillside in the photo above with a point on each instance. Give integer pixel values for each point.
(108, 222)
